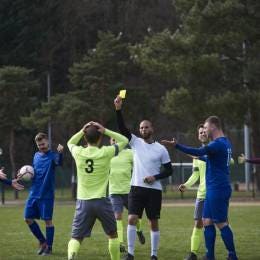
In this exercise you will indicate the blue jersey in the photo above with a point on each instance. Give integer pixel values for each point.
(43, 182)
(218, 158)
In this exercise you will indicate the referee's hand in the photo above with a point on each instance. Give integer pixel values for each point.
(149, 179)
(118, 103)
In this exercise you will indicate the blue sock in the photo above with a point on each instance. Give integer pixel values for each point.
(34, 227)
(227, 237)
(210, 237)
(49, 236)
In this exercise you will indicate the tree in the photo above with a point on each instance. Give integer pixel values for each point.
(211, 61)
(18, 97)
(95, 79)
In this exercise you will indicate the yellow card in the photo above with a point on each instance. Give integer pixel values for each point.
(122, 93)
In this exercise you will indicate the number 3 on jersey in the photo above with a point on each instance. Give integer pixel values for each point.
(90, 164)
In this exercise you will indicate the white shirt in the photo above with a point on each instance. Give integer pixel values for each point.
(148, 159)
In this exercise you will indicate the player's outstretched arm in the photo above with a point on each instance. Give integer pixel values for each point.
(12, 183)
(242, 159)
(3, 177)
(186, 149)
(169, 143)
(193, 151)
(253, 160)
(120, 120)
(6, 181)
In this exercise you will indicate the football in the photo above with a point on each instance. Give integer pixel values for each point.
(26, 173)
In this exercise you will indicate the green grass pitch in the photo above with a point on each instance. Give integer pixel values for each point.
(16, 242)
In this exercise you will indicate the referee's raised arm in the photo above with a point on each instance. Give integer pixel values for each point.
(120, 120)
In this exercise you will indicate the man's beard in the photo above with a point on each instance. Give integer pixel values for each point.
(146, 136)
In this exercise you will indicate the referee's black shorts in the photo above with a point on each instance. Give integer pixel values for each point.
(141, 198)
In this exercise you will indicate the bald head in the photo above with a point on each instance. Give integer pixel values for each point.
(146, 129)
(146, 122)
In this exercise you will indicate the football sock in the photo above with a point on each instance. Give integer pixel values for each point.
(119, 224)
(210, 237)
(73, 247)
(49, 236)
(155, 238)
(139, 225)
(113, 247)
(227, 237)
(196, 239)
(131, 236)
(35, 229)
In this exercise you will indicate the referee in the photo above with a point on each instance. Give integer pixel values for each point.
(146, 189)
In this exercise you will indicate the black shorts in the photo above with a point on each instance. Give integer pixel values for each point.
(141, 198)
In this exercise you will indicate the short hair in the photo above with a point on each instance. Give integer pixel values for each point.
(92, 134)
(40, 136)
(215, 121)
(200, 126)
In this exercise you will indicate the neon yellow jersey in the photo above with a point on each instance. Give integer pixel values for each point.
(121, 172)
(93, 165)
(198, 173)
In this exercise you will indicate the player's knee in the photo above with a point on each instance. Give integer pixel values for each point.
(118, 216)
(221, 225)
(48, 223)
(154, 225)
(132, 220)
(207, 222)
(154, 228)
(28, 221)
(198, 223)
(112, 234)
(79, 239)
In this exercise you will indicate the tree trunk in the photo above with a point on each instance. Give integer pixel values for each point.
(102, 100)
(12, 157)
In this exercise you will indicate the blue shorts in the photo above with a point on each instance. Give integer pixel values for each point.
(119, 201)
(39, 209)
(216, 205)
